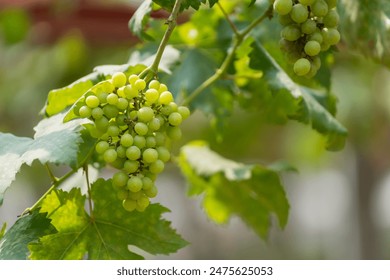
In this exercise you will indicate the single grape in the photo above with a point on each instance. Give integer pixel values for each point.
(291, 32)
(140, 84)
(85, 111)
(139, 141)
(131, 166)
(302, 66)
(157, 166)
(299, 13)
(152, 192)
(147, 183)
(331, 19)
(165, 97)
(154, 84)
(142, 203)
(145, 114)
(133, 78)
(120, 179)
(316, 36)
(141, 128)
(283, 7)
(154, 124)
(130, 91)
(102, 124)
(160, 138)
(111, 111)
(175, 119)
(151, 142)
(102, 97)
(126, 140)
(174, 132)
(134, 184)
(136, 195)
(122, 104)
(319, 8)
(152, 95)
(110, 155)
(285, 20)
(331, 3)
(309, 26)
(102, 146)
(306, 2)
(112, 99)
(133, 153)
(312, 48)
(129, 204)
(150, 155)
(92, 101)
(97, 113)
(122, 194)
(113, 130)
(333, 36)
(121, 152)
(162, 88)
(118, 79)
(184, 112)
(163, 153)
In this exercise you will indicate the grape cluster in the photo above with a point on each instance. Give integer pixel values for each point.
(309, 27)
(133, 122)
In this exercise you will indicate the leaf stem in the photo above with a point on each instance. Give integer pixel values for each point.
(89, 190)
(55, 185)
(51, 175)
(152, 70)
(237, 40)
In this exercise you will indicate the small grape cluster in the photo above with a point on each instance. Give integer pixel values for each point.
(309, 27)
(133, 122)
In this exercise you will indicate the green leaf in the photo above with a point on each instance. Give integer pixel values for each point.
(29, 228)
(186, 4)
(252, 192)
(365, 27)
(309, 109)
(54, 142)
(2, 231)
(140, 19)
(107, 232)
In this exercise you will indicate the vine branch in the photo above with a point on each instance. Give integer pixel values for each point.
(237, 40)
(152, 70)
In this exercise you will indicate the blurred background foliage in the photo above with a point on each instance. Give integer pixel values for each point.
(339, 201)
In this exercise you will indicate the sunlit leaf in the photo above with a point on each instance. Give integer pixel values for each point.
(140, 18)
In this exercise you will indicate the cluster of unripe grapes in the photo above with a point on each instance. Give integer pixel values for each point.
(133, 122)
(309, 27)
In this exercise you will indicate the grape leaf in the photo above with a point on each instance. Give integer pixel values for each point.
(310, 110)
(54, 141)
(107, 232)
(252, 192)
(13, 245)
(373, 40)
(140, 18)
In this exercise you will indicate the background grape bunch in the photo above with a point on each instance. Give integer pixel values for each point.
(134, 123)
(309, 27)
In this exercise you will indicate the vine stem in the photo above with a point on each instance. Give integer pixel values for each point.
(237, 41)
(152, 70)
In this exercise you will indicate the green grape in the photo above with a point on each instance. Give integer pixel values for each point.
(291, 32)
(306, 2)
(110, 155)
(142, 203)
(92, 101)
(135, 195)
(126, 140)
(319, 8)
(122, 194)
(152, 192)
(163, 153)
(133, 115)
(101, 147)
(140, 84)
(145, 114)
(316, 62)
(184, 112)
(293, 56)
(316, 36)
(121, 120)
(173, 106)
(174, 132)
(150, 155)
(130, 91)
(121, 152)
(139, 141)
(331, 3)
(152, 95)
(141, 128)
(299, 13)
(154, 84)
(283, 7)
(121, 92)
(97, 113)
(118, 163)
(333, 36)
(312, 72)
(112, 99)
(309, 26)
(302, 67)
(157, 166)
(165, 98)
(110, 111)
(285, 20)
(154, 124)
(118, 79)
(133, 78)
(104, 137)
(134, 184)
(150, 142)
(162, 88)
(120, 179)
(85, 111)
(151, 176)
(113, 130)
(131, 166)
(175, 119)
(331, 19)
(122, 104)
(133, 153)
(102, 124)
(147, 183)
(312, 48)
(160, 138)
(166, 110)
(129, 204)
(102, 97)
